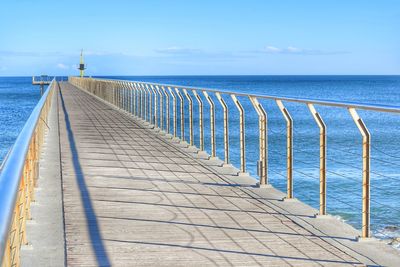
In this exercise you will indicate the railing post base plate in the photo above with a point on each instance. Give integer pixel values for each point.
(184, 144)
(176, 140)
(323, 216)
(263, 185)
(193, 149)
(227, 165)
(365, 239)
(203, 155)
(285, 199)
(241, 174)
(169, 136)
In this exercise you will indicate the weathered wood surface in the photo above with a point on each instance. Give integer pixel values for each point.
(131, 198)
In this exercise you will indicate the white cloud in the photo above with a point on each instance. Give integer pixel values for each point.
(62, 66)
(298, 51)
(292, 49)
(178, 50)
(273, 49)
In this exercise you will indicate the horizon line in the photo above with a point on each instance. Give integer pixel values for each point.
(191, 75)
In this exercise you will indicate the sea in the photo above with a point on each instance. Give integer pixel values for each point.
(344, 156)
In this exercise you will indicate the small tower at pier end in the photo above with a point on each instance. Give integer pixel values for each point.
(82, 65)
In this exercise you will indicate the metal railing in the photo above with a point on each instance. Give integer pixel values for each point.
(18, 176)
(151, 102)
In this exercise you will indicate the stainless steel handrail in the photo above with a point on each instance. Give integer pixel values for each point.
(14, 169)
(322, 102)
(209, 94)
(5, 159)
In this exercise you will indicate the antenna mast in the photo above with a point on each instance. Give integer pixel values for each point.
(82, 65)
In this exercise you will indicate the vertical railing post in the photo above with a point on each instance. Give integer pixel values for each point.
(110, 87)
(226, 127)
(201, 127)
(161, 107)
(109, 90)
(120, 94)
(134, 100)
(150, 102)
(212, 124)
(124, 103)
(131, 97)
(167, 108)
(174, 111)
(191, 141)
(128, 94)
(182, 111)
(322, 158)
(134, 91)
(289, 148)
(366, 154)
(142, 102)
(121, 86)
(155, 106)
(116, 93)
(149, 107)
(241, 134)
(128, 97)
(263, 142)
(138, 101)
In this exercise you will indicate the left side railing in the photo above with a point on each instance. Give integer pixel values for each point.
(18, 177)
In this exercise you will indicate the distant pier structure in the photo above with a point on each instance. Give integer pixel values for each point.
(42, 81)
(81, 66)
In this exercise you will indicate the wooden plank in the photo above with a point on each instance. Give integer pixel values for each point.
(132, 198)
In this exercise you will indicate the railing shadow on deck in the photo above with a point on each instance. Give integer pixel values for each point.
(222, 227)
(94, 231)
(244, 253)
(182, 113)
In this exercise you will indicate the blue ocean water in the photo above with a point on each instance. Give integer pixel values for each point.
(344, 184)
(18, 97)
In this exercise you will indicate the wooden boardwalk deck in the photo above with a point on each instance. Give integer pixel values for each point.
(132, 198)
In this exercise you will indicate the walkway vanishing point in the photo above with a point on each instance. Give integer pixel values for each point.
(115, 191)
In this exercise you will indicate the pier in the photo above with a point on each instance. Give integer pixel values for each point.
(41, 81)
(108, 173)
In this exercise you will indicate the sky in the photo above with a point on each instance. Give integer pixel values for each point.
(204, 37)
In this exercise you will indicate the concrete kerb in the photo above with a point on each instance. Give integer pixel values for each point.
(47, 209)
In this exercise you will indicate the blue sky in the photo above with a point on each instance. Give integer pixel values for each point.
(169, 37)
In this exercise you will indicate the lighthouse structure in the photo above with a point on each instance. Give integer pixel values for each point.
(82, 66)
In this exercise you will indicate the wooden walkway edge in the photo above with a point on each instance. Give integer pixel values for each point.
(134, 198)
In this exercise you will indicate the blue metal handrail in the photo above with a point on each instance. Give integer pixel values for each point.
(12, 171)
